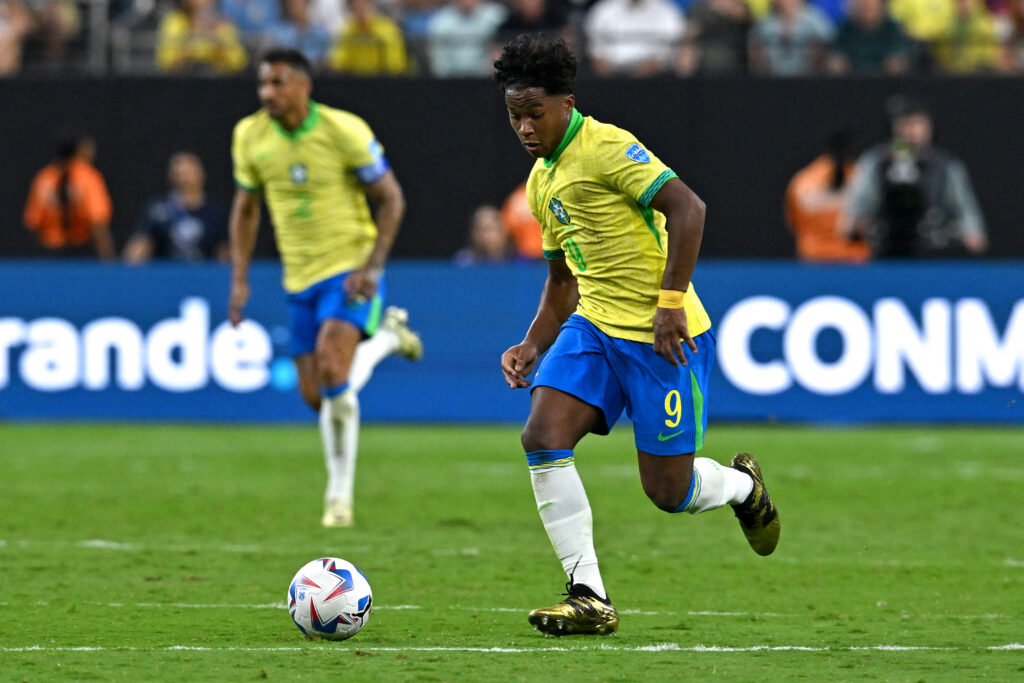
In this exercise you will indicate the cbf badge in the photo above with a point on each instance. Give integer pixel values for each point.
(560, 213)
(298, 173)
(638, 153)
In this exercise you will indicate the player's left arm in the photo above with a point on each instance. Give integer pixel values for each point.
(684, 222)
(386, 194)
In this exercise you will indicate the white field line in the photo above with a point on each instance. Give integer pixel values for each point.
(656, 647)
(106, 544)
(513, 610)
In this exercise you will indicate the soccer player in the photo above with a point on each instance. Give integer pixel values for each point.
(621, 323)
(316, 166)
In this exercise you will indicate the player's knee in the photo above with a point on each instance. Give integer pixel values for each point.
(666, 496)
(536, 437)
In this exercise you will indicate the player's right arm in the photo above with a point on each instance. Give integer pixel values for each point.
(557, 302)
(242, 229)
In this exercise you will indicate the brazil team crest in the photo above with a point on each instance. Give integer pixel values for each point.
(298, 173)
(560, 213)
(638, 153)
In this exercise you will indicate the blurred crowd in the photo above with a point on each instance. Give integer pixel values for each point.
(458, 38)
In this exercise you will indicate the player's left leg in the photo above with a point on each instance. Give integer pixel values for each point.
(669, 410)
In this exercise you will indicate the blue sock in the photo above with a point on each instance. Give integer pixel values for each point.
(546, 460)
(692, 494)
(336, 390)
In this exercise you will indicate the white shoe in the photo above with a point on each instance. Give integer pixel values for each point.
(409, 343)
(337, 514)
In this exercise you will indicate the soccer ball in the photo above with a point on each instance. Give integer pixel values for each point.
(330, 598)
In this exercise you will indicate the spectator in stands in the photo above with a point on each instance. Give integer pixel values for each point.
(15, 25)
(184, 224)
(1011, 27)
(68, 204)
(414, 17)
(370, 43)
(790, 40)
(197, 39)
(869, 42)
(460, 35)
(58, 22)
(252, 18)
(633, 37)
(909, 198)
(716, 38)
(488, 241)
(922, 20)
(330, 14)
(521, 225)
(814, 204)
(969, 43)
(298, 32)
(533, 16)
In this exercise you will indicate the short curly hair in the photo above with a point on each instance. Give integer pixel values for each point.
(530, 61)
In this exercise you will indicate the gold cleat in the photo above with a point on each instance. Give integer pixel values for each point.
(409, 343)
(337, 514)
(757, 514)
(581, 613)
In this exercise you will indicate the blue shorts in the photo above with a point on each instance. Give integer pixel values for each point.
(668, 405)
(309, 308)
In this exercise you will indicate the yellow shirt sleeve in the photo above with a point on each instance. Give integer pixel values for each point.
(245, 174)
(633, 170)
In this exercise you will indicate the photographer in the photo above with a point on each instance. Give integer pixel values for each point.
(911, 199)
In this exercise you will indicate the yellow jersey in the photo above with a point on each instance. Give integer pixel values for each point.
(312, 179)
(592, 199)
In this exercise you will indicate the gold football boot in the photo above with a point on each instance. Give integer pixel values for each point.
(581, 613)
(757, 514)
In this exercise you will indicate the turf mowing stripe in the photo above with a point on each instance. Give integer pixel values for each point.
(658, 647)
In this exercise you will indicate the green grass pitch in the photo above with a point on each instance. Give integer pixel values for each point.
(164, 553)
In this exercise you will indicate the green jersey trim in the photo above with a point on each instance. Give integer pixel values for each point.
(308, 123)
(575, 123)
(554, 254)
(648, 214)
(246, 187)
(652, 189)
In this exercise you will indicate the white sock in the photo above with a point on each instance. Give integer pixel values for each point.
(369, 353)
(715, 485)
(565, 511)
(339, 429)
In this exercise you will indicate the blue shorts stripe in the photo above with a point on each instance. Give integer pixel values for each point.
(549, 459)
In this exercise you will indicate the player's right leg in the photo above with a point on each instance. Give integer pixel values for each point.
(557, 422)
(392, 336)
(574, 393)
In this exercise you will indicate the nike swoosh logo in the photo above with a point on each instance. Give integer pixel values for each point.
(662, 437)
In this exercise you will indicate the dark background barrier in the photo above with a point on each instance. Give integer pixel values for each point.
(736, 142)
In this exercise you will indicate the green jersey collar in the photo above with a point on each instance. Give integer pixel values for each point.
(575, 123)
(307, 124)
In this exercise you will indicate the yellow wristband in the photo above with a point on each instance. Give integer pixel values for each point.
(670, 298)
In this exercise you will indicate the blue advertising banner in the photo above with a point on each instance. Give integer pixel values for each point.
(920, 342)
